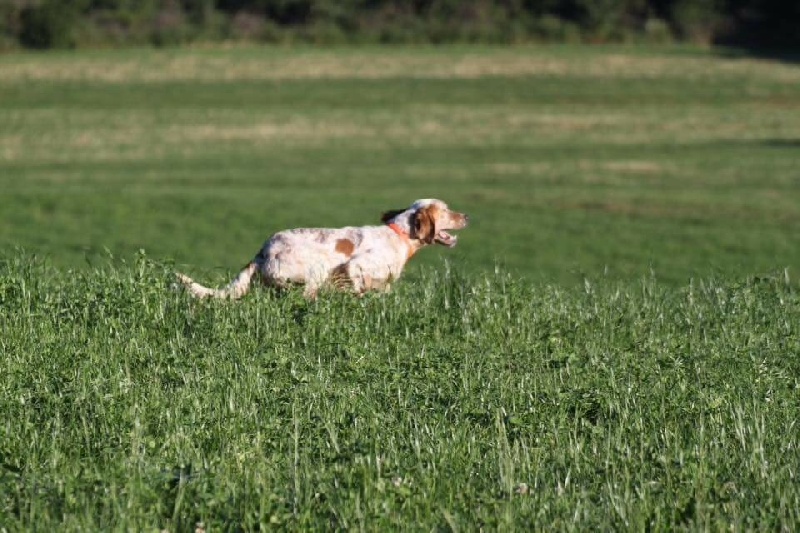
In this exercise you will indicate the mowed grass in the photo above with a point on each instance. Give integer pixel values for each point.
(456, 402)
(613, 344)
(572, 161)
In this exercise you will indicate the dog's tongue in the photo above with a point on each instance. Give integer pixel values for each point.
(447, 239)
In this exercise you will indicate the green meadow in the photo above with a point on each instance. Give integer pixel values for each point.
(613, 344)
(572, 161)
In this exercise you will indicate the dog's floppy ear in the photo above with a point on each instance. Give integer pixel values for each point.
(424, 227)
(389, 215)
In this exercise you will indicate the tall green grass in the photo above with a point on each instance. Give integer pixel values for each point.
(459, 401)
(612, 345)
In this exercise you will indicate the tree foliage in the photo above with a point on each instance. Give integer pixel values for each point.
(65, 23)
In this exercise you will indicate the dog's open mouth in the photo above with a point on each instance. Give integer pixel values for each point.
(447, 239)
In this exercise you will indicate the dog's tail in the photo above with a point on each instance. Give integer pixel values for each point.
(234, 290)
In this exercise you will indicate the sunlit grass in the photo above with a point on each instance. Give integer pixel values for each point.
(453, 62)
(456, 401)
(612, 345)
(571, 160)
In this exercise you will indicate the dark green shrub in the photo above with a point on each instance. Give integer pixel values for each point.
(50, 24)
(550, 28)
(657, 31)
(68, 23)
(170, 26)
(696, 21)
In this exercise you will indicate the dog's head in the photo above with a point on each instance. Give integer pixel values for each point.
(428, 221)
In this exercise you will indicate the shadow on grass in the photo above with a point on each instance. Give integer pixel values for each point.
(780, 54)
(771, 142)
(781, 143)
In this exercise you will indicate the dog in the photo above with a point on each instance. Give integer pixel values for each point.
(359, 259)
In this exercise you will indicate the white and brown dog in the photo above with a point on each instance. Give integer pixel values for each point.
(357, 258)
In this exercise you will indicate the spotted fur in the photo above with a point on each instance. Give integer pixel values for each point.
(357, 258)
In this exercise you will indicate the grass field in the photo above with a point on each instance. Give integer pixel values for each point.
(457, 402)
(613, 344)
(572, 161)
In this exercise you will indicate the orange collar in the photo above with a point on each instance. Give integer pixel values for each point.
(403, 235)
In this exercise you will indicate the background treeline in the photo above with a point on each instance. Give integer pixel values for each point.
(91, 23)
